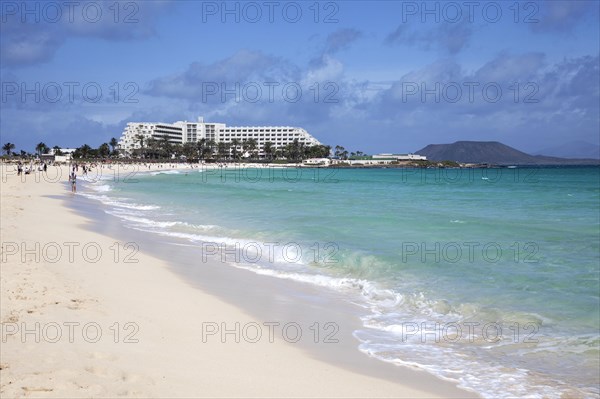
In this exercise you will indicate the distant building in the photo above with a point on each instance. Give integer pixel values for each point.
(184, 132)
(65, 151)
(401, 157)
(381, 159)
(66, 155)
(317, 161)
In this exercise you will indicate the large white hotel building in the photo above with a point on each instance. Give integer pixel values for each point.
(183, 132)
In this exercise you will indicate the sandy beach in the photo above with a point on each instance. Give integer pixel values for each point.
(85, 315)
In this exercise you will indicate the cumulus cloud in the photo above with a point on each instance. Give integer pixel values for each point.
(448, 37)
(335, 42)
(341, 39)
(245, 67)
(508, 67)
(27, 39)
(536, 98)
(64, 129)
(562, 16)
(537, 102)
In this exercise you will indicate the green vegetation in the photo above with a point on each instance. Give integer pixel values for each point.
(236, 151)
(7, 148)
(41, 148)
(436, 164)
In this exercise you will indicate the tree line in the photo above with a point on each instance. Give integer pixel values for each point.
(234, 150)
(161, 148)
(105, 150)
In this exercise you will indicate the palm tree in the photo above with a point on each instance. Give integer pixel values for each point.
(340, 151)
(234, 148)
(8, 147)
(269, 150)
(222, 149)
(177, 150)
(294, 151)
(57, 150)
(279, 153)
(113, 143)
(250, 146)
(200, 146)
(152, 148)
(41, 148)
(209, 149)
(166, 147)
(140, 140)
(104, 150)
(83, 152)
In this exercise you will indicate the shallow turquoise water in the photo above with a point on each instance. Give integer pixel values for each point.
(514, 253)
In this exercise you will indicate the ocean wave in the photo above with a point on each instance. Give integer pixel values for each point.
(103, 188)
(119, 202)
(160, 224)
(166, 172)
(473, 374)
(366, 289)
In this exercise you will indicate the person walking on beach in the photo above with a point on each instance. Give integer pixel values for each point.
(73, 180)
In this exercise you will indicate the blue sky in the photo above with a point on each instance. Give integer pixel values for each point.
(371, 76)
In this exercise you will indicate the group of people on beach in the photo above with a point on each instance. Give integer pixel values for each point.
(73, 168)
(28, 169)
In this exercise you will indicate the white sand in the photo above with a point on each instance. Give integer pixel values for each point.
(170, 358)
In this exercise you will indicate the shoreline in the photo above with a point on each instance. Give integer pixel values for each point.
(143, 166)
(169, 310)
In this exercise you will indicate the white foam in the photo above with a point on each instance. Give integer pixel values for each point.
(101, 188)
(118, 202)
(165, 172)
(473, 374)
(367, 289)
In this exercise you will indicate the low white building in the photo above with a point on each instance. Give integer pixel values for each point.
(317, 162)
(401, 157)
(67, 152)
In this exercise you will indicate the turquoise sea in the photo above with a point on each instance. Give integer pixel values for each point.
(486, 277)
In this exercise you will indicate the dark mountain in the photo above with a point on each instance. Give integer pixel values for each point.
(492, 152)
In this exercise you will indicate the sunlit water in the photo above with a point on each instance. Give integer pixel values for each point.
(487, 277)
